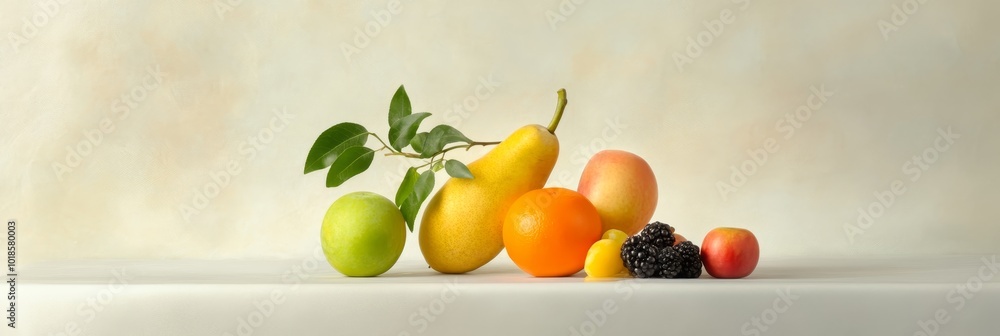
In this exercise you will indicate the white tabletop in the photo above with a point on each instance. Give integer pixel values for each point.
(954, 295)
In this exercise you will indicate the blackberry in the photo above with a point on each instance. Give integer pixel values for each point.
(645, 260)
(690, 260)
(660, 234)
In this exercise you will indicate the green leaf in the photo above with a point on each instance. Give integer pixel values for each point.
(400, 106)
(441, 136)
(406, 188)
(418, 141)
(437, 166)
(457, 169)
(422, 189)
(350, 163)
(332, 142)
(404, 129)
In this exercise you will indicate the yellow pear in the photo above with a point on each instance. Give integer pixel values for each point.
(462, 226)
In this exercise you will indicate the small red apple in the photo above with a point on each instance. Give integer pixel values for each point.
(730, 253)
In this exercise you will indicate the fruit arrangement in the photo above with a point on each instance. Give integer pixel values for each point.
(486, 206)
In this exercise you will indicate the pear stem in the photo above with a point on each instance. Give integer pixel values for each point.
(560, 107)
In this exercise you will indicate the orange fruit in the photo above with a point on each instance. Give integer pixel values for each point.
(547, 232)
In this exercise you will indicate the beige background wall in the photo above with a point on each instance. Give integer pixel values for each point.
(209, 79)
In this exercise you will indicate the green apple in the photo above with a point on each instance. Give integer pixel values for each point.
(363, 234)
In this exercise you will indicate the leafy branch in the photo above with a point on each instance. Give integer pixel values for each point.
(342, 149)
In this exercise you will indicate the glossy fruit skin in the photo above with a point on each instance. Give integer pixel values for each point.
(548, 232)
(616, 235)
(462, 225)
(678, 239)
(730, 253)
(604, 257)
(622, 187)
(363, 234)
